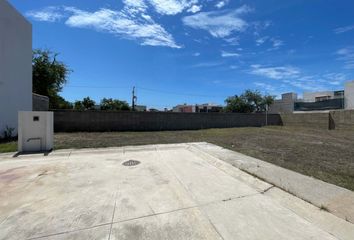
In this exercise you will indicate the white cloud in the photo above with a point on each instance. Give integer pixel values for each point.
(290, 75)
(172, 7)
(197, 54)
(222, 4)
(305, 85)
(275, 42)
(233, 40)
(261, 40)
(319, 82)
(207, 64)
(219, 24)
(347, 56)
(265, 86)
(229, 54)
(259, 26)
(122, 24)
(195, 9)
(344, 29)
(278, 73)
(48, 14)
(334, 78)
(130, 23)
(164, 7)
(135, 5)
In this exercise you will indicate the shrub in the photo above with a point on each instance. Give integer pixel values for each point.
(8, 133)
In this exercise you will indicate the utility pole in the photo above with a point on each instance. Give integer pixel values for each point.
(134, 99)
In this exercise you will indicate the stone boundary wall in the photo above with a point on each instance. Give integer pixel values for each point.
(339, 120)
(308, 119)
(98, 121)
(342, 120)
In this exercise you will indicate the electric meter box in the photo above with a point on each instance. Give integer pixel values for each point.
(35, 131)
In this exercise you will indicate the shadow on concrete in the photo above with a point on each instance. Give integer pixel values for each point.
(45, 153)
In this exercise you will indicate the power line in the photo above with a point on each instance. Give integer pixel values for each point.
(176, 93)
(82, 86)
(149, 90)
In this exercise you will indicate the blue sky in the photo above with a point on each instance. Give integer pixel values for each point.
(195, 51)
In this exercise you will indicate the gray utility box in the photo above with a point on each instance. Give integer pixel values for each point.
(35, 131)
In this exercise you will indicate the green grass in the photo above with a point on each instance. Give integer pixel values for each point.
(323, 154)
(8, 147)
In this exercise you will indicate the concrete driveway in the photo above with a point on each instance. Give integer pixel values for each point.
(175, 192)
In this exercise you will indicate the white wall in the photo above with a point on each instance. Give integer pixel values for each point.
(15, 65)
(349, 95)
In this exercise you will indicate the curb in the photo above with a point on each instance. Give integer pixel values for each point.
(336, 200)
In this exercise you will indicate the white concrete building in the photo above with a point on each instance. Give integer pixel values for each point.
(349, 95)
(322, 96)
(285, 104)
(15, 66)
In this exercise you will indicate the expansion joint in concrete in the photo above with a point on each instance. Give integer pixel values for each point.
(114, 210)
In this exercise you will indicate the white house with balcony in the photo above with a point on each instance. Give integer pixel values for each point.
(15, 66)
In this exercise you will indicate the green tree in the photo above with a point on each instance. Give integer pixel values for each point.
(49, 76)
(61, 103)
(79, 106)
(248, 102)
(237, 104)
(114, 105)
(88, 103)
(254, 99)
(267, 101)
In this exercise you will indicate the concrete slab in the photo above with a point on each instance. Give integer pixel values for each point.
(177, 225)
(337, 227)
(201, 179)
(337, 200)
(54, 197)
(94, 233)
(258, 217)
(176, 192)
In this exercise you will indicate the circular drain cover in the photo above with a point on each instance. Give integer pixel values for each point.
(131, 163)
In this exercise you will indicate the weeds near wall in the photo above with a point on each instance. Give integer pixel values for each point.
(8, 134)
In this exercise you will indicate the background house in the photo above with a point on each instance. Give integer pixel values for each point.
(285, 104)
(312, 101)
(208, 107)
(140, 108)
(322, 96)
(184, 108)
(15, 66)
